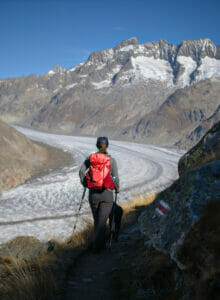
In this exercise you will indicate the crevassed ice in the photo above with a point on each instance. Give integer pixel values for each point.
(210, 67)
(189, 66)
(57, 195)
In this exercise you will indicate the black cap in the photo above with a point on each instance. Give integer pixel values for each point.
(101, 140)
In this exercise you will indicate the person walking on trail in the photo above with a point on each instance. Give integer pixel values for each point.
(99, 173)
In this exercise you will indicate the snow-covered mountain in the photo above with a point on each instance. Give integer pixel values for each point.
(113, 90)
(129, 62)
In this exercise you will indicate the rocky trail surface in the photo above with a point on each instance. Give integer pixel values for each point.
(47, 206)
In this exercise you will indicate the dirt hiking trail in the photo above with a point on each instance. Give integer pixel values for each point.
(93, 275)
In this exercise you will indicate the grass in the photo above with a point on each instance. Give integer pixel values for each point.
(29, 280)
(132, 209)
(43, 278)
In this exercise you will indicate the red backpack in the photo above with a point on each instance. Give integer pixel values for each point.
(98, 177)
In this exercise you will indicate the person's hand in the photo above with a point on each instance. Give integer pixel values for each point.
(118, 191)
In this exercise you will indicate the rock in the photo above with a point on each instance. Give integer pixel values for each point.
(208, 149)
(187, 198)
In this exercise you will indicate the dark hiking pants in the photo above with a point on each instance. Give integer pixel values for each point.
(101, 203)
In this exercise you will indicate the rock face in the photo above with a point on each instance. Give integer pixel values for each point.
(21, 158)
(187, 197)
(208, 149)
(116, 89)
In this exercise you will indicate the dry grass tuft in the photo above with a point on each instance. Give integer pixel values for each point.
(81, 238)
(5, 260)
(29, 280)
(43, 277)
(131, 210)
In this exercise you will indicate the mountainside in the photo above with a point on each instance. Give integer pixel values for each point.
(114, 90)
(21, 158)
(183, 118)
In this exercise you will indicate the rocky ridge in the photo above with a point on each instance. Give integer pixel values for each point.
(119, 86)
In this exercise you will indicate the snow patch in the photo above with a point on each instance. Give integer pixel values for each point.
(71, 86)
(116, 70)
(108, 81)
(210, 67)
(127, 48)
(100, 66)
(51, 72)
(140, 50)
(149, 68)
(75, 67)
(189, 65)
(102, 84)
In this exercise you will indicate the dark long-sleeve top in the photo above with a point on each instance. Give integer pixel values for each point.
(114, 171)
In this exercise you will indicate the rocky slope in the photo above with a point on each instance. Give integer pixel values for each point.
(21, 158)
(115, 90)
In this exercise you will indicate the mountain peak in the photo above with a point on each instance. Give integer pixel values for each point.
(198, 48)
(129, 42)
(56, 69)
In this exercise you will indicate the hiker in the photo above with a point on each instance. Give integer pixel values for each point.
(99, 173)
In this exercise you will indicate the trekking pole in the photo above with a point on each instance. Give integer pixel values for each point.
(113, 221)
(80, 206)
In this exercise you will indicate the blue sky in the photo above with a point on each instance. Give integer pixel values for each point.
(37, 34)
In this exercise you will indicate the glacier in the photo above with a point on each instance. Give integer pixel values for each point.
(46, 207)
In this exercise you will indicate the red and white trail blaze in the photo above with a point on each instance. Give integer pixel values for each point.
(162, 208)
